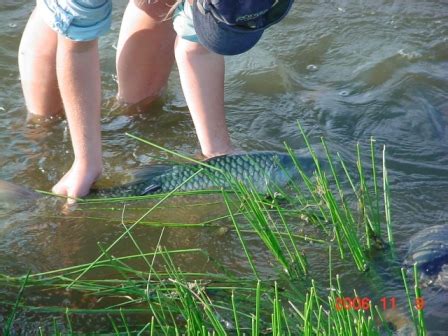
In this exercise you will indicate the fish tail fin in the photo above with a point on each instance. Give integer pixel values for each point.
(10, 192)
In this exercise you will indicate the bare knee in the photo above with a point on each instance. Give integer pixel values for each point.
(187, 51)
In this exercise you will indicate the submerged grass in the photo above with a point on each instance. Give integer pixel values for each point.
(159, 298)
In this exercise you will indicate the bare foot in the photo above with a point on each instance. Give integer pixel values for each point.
(77, 182)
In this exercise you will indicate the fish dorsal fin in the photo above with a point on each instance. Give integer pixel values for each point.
(148, 173)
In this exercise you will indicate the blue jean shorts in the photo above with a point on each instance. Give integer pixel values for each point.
(85, 20)
(78, 20)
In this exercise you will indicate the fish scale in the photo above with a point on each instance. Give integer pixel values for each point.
(259, 169)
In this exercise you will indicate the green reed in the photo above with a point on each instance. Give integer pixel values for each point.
(180, 304)
(325, 190)
(159, 298)
(9, 321)
(416, 310)
(264, 223)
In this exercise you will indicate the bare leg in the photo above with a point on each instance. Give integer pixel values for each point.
(202, 78)
(145, 52)
(78, 73)
(57, 72)
(37, 65)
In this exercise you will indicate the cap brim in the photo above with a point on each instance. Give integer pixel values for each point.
(221, 38)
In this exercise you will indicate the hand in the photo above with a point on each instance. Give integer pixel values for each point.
(77, 181)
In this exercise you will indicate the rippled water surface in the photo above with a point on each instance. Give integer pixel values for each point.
(348, 70)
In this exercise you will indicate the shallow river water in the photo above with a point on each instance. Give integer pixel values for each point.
(347, 70)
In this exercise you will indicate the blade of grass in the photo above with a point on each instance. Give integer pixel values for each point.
(387, 205)
(9, 322)
(130, 228)
(240, 237)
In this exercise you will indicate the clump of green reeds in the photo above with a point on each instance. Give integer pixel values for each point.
(277, 237)
(175, 302)
(355, 228)
(162, 299)
(335, 205)
(171, 301)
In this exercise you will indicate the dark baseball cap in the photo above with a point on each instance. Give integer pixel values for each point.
(231, 27)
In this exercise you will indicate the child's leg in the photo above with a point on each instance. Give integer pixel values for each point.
(202, 78)
(37, 65)
(60, 53)
(145, 51)
(78, 72)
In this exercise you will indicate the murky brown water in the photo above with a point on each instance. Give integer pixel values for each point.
(348, 70)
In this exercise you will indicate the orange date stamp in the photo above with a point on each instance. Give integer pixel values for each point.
(363, 303)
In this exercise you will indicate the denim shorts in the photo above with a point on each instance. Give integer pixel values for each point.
(85, 20)
(183, 22)
(78, 20)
